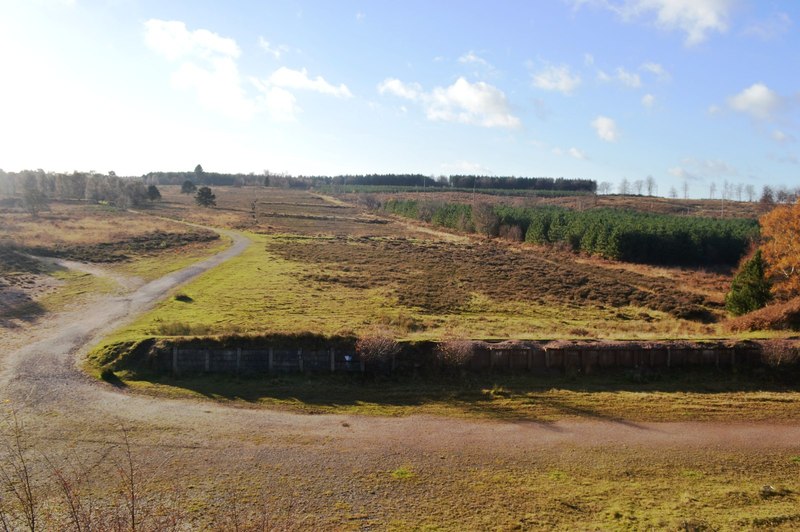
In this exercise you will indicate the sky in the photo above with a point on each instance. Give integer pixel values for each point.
(699, 92)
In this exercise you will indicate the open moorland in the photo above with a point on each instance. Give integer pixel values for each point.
(703, 450)
(315, 257)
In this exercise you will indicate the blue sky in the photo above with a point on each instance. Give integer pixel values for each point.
(695, 91)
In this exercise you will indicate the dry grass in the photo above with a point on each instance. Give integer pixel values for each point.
(79, 224)
(783, 315)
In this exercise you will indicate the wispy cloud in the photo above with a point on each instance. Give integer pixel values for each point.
(657, 70)
(463, 102)
(701, 169)
(771, 28)
(275, 51)
(556, 78)
(287, 78)
(696, 18)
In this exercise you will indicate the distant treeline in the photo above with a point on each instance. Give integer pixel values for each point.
(90, 186)
(460, 181)
(373, 189)
(614, 234)
(523, 183)
(374, 180)
(203, 178)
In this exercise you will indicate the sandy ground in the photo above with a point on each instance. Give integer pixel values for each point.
(324, 457)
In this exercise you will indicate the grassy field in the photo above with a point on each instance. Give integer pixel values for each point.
(322, 266)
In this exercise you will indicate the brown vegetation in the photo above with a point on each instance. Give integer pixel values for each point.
(780, 229)
(442, 276)
(776, 317)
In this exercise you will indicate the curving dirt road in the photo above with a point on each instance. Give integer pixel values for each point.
(64, 409)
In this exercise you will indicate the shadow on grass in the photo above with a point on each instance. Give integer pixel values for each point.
(21, 310)
(515, 398)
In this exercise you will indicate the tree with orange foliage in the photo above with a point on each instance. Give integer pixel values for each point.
(780, 230)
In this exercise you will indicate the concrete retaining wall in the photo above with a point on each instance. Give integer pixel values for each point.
(585, 357)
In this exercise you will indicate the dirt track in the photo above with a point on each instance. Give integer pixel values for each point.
(65, 409)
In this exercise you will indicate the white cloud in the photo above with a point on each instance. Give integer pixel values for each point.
(605, 128)
(782, 136)
(648, 100)
(577, 154)
(758, 101)
(274, 51)
(556, 78)
(298, 79)
(695, 18)
(657, 70)
(714, 110)
(471, 57)
(588, 59)
(173, 40)
(207, 66)
(628, 78)
(463, 102)
(360, 16)
(773, 27)
(395, 87)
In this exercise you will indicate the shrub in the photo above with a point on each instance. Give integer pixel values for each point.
(750, 290)
(455, 352)
(485, 220)
(777, 353)
(376, 347)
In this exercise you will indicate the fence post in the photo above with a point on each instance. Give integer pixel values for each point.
(269, 361)
(175, 360)
(333, 359)
(238, 359)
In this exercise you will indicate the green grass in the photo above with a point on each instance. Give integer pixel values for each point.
(149, 267)
(260, 292)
